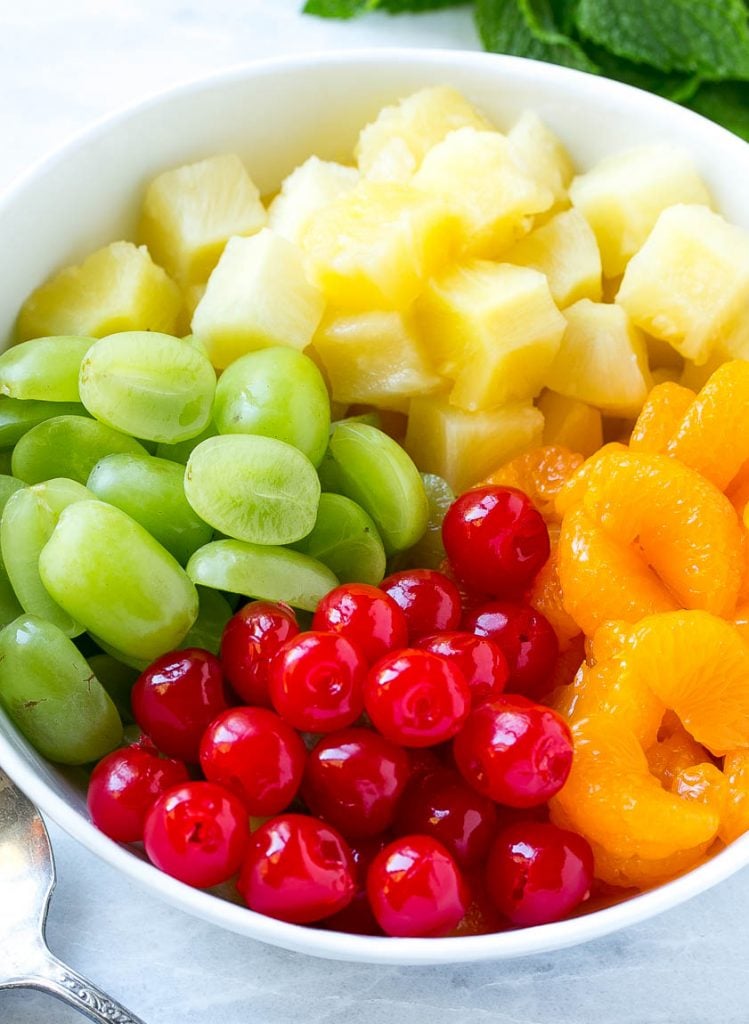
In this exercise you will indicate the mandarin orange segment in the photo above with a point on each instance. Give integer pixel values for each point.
(660, 418)
(643, 873)
(545, 596)
(674, 751)
(611, 798)
(540, 473)
(685, 528)
(713, 437)
(735, 820)
(571, 493)
(602, 579)
(698, 665)
(737, 491)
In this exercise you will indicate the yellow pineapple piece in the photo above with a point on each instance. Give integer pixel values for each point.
(541, 154)
(602, 359)
(392, 147)
(374, 247)
(374, 358)
(493, 328)
(117, 288)
(623, 196)
(566, 251)
(190, 213)
(476, 174)
(661, 355)
(309, 188)
(696, 377)
(571, 424)
(665, 374)
(689, 284)
(258, 295)
(463, 447)
(191, 296)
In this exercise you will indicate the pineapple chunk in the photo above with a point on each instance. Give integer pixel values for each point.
(118, 288)
(374, 359)
(310, 187)
(464, 447)
(476, 174)
(566, 251)
(541, 155)
(602, 359)
(571, 424)
(623, 196)
(374, 247)
(258, 295)
(689, 284)
(394, 144)
(494, 329)
(190, 213)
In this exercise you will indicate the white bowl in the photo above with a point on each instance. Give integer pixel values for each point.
(275, 114)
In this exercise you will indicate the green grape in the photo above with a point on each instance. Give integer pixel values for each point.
(253, 488)
(117, 679)
(137, 664)
(9, 605)
(374, 471)
(109, 573)
(429, 552)
(17, 416)
(52, 696)
(373, 418)
(182, 451)
(148, 385)
(28, 521)
(45, 369)
(6, 461)
(67, 446)
(262, 571)
(152, 492)
(215, 611)
(346, 540)
(277, 392)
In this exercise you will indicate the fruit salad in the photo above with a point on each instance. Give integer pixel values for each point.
(377, 550)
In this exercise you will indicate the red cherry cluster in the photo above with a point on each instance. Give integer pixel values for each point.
(400, 788)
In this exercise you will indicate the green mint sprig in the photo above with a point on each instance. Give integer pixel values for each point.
(695, 52)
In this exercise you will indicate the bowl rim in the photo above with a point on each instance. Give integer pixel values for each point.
(235, 917)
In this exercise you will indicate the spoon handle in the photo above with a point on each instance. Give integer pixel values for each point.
(59, 980)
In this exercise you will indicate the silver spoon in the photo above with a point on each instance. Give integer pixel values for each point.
(27, 878)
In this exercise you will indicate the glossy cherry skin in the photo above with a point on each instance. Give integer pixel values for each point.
(415, 888)
(416, 699)
(429, 600)
(317, 682)
(125, 784)
(177, 697)
(354, 779)
(197, 832)
(297, 869)
(537, 873)
(250, 640)
(496, 540)
(256, 755)
(357, 918)
(514, 751)
(365, 615)
(479, 659)
(527, 640)
(439, 804)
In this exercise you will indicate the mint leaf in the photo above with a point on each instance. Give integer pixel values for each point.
(338, 8)
(676, 87)
(416, 6)
(527, 28)
(705, 37)
(725, 102)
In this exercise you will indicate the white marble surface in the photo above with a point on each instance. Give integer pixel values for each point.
(62, 64)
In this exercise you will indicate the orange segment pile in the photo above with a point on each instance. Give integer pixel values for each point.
(650, 568)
